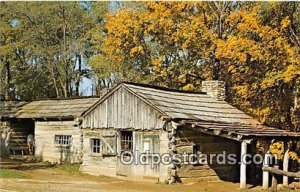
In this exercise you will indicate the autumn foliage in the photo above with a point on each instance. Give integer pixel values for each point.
(253, 47)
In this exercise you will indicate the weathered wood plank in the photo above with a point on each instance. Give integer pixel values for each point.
(281, 172)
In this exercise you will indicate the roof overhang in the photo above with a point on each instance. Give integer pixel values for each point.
(241, 132)
(41, 118)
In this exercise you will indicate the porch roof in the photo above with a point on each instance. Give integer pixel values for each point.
(240, 132)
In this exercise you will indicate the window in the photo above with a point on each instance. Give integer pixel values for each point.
(109, 145)
(95, 145)
(63, 139)
(126, 141)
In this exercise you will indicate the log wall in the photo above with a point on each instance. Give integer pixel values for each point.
(208, 144)
(47, 150)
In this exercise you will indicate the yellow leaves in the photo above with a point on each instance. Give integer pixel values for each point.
(237, 49)
(287, 75)
(285, 23)
(277, 149)
(264, 113)
(242, 90)
(157, 62)
(291, 73)
(137, 50)
(294, 156)
(189, 87)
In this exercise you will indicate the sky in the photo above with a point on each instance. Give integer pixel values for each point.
(86, 87)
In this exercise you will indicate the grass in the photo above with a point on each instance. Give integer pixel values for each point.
(72, 169)
(9, 173)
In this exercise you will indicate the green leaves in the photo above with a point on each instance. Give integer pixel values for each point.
(43, 46)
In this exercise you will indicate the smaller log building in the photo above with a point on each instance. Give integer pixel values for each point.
(55, 125)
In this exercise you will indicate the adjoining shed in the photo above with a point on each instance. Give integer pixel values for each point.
(149, 119)
(8, 108)
(55, 124)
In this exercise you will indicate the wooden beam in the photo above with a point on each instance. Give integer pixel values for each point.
(174, 124)
(165, 118)
(243, 165)
(281, 172)
(217, 132)
(207, 131)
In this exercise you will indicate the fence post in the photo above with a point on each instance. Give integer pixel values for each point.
(274, 180)
(266, 173)
(286, 167)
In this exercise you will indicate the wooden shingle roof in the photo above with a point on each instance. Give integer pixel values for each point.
(189, 105)
(55, 108)
(199, 111)
(8, 108)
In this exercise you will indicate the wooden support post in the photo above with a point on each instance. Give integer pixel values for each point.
(286, 167)
(243, 165)
(274, 180)
(265, 184)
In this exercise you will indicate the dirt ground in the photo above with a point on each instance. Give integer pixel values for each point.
(54, 179)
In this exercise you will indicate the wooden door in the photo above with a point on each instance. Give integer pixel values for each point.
(151, 146)
(125, 145)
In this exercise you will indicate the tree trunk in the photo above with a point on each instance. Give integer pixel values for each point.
(8, 80)
(78, 76)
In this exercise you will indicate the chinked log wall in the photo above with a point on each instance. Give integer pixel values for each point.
(45, 147)
(208, 145)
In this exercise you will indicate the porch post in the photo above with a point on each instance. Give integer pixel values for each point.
(243, 165)
(286, 167)
(265, 184)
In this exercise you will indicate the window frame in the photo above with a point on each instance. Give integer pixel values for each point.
(126, 140)
(63, 140)
(92, 145)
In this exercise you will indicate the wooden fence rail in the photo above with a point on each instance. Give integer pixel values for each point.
(276, 171)
(281, 172)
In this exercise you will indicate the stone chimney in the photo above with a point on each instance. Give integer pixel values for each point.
(215, 89)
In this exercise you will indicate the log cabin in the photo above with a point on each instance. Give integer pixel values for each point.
(55, 125)
(137, 117)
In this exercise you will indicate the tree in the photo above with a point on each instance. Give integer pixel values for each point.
(47, 41)
(176, 44)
